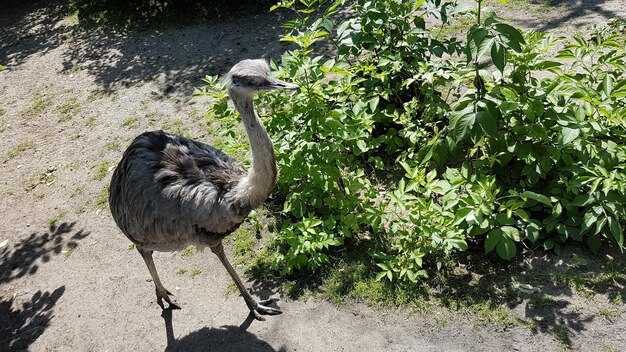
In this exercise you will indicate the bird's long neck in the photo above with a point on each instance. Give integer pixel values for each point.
(258, 184)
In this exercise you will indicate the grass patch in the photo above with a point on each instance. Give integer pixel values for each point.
(55, 219)
(39, 106)
(91, 121)
(131, 246)
(609, 314)
(97, 95)
(102, 200)
(68, 110)
(538, 301)
(113, 145)
(130, 122)
(561, 335)
(101, 170)
(177, 127)
(79, 190)
(20, 148)
(71, 246)
(181, 271)
(188, 251)
(243, 241)
(195, 272)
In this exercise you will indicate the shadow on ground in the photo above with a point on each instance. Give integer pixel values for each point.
(175, 59)
(26, 255)
(223, 339)
(23, 321)
(21, 326)
(30, 27)
(568, 10)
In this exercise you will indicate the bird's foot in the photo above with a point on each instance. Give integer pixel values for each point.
(258, 309)
(165, 295)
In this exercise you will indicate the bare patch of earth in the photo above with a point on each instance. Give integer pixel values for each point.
(72, 101)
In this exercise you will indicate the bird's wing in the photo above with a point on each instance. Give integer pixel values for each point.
(172, 189)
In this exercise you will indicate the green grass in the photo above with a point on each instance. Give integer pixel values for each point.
(177, 127)
(609, 314)
(20, 148)
(102, 201)
(181, 271)
(130, 122)
(101, 170)
(39, 106)
(562, 335)
(71, 246)
(538, 301)
(195, 272)
(91, 121)
(113, 145)
(79, 190)
(68, 109)
(243, 241)
(97, 95)
(188, 251)
(131, 246)
(55, 219)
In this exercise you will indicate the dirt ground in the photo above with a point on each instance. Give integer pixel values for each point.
(71, 102)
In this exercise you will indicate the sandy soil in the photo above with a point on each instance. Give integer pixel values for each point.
(68, 280)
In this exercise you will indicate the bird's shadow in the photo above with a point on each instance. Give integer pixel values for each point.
(222, 339)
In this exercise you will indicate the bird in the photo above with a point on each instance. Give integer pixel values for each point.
(169, 192)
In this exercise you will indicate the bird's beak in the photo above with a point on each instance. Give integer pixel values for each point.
(278, 84)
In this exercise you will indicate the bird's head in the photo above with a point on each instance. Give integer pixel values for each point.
(249, 77)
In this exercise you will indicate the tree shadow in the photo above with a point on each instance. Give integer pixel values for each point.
(176, 59)
(23, 258)
(546, 287)
(21, 326)
(569, 10)
(223, 339)
(30, 27)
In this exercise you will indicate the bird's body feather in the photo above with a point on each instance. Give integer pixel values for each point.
(168, 192)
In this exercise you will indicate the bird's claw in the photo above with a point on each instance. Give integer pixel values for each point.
(166, 296)
(260, 309)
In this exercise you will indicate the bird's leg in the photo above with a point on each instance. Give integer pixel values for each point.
(161, 292)
(257, 308)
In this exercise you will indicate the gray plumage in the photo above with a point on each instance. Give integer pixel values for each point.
(169, 192)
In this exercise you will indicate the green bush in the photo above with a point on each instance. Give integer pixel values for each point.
(413, 145)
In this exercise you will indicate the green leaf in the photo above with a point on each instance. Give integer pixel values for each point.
(506, 249)
(362, 145)
(511, 233)
(617, 231)
(568, 135)
(493, 238)
(477, 40)
(532, 233)
(515, 39)
(499, 56)
(536, 196)
(380, 275)
(462, 125)
(487, 122)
